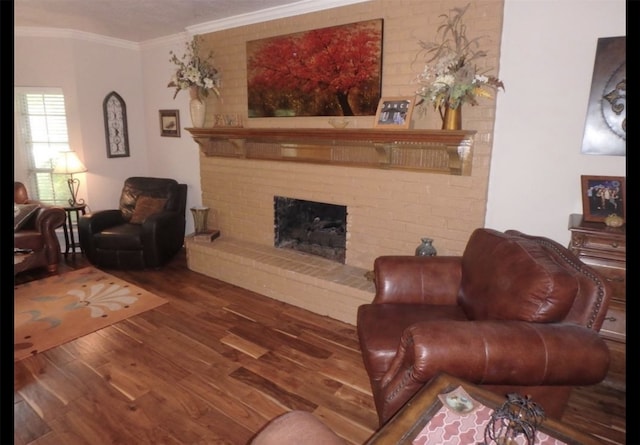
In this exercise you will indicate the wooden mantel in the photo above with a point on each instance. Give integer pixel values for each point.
(437, 151)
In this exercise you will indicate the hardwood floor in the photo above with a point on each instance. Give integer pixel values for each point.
(212, 367)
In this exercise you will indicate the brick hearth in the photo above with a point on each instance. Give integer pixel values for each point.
(308, 281)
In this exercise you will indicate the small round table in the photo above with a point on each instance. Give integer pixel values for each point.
(69, 238)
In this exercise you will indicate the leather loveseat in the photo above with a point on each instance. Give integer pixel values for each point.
(514, 313)
(35, 225)
(145, 231)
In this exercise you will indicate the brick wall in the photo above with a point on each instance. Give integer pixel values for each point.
(388, 211)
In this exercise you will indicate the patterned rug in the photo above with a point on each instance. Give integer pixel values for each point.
(61, 308)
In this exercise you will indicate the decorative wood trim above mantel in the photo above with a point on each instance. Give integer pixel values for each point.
(437, 151)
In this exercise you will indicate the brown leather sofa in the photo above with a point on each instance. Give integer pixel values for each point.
(514, 313)
(145, 231)
(35, 225)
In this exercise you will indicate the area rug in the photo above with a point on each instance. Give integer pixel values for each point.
(57, 309)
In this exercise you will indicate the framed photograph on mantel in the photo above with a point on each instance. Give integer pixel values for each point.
(603, 196)
(394, 113)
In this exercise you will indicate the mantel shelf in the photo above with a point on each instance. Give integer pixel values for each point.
(438, 151)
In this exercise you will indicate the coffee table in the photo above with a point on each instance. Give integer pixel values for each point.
(424, 413)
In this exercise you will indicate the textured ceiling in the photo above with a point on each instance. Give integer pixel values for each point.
(134, 20)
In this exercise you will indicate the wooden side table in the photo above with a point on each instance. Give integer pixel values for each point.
(414, 417)
(604, 249)
(69, 238)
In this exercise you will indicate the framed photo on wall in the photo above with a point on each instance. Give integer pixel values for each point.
(394, 113)
(170, 123)
(603, 196)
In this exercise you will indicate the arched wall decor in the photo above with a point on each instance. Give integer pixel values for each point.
(115, 125)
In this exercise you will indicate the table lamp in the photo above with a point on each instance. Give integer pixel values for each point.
(68, 163)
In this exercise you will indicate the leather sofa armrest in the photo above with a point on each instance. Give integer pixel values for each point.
(494, 352)
(417, 279)
(48, 219)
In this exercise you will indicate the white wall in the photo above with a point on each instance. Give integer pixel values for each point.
(87, 70)
(171, 157)
(546, 62)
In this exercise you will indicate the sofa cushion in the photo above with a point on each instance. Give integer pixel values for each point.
(509, 278)
(145, 207)
(22, 214)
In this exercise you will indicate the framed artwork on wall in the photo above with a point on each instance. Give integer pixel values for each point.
(605, 130)
(334, 71)
(115, 125)
(394, 113)
(170, 123)
(603, 196)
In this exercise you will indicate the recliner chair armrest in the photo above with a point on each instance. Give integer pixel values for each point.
(494, 352)
(417, 279)
(168, 224)
(98, 221)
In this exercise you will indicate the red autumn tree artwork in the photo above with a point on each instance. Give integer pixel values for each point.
(332, 71)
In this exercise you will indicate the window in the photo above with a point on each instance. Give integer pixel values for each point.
(42, 133)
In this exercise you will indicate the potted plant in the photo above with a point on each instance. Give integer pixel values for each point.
(450, 77)
(198, 75)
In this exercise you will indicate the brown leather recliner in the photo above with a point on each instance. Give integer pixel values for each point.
(145, 231)
(36, 231)
(514, 313)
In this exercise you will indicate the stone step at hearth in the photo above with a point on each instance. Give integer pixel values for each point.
(308, 281)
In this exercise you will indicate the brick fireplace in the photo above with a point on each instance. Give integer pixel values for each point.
(389, 211)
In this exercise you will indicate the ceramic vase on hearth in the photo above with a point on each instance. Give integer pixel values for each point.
(200, 215)
(197, 108)
(451, 117)
(426, 248)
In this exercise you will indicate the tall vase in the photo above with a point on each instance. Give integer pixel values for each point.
(197, 108)
(451, 118)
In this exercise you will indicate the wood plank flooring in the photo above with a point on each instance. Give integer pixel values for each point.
(212, 367)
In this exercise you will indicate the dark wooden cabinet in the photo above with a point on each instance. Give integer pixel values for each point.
(604, 248)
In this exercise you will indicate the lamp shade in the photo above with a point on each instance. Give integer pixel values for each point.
(68, 162)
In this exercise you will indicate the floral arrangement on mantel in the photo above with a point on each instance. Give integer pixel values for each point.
(450, 77)
(195, 73)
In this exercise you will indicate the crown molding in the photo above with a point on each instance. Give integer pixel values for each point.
(265, 15)
(33, 31)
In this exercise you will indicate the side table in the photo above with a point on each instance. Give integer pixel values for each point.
(69, 237)
(605, 250)
(414, 417)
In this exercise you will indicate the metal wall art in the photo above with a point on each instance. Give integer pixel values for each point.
(115, 125)
(605, 131)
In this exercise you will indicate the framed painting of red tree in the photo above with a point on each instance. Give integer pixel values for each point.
(335, 71)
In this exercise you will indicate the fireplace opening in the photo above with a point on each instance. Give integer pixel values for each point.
(313, 227)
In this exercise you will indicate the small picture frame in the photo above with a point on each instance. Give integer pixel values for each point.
(394, 113)
(603, 196)
(227, 120)
(170, 123)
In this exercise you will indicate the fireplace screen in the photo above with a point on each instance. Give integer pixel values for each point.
(317, 228)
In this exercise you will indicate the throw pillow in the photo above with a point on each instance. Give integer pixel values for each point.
(145, 207)
(22, 214)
